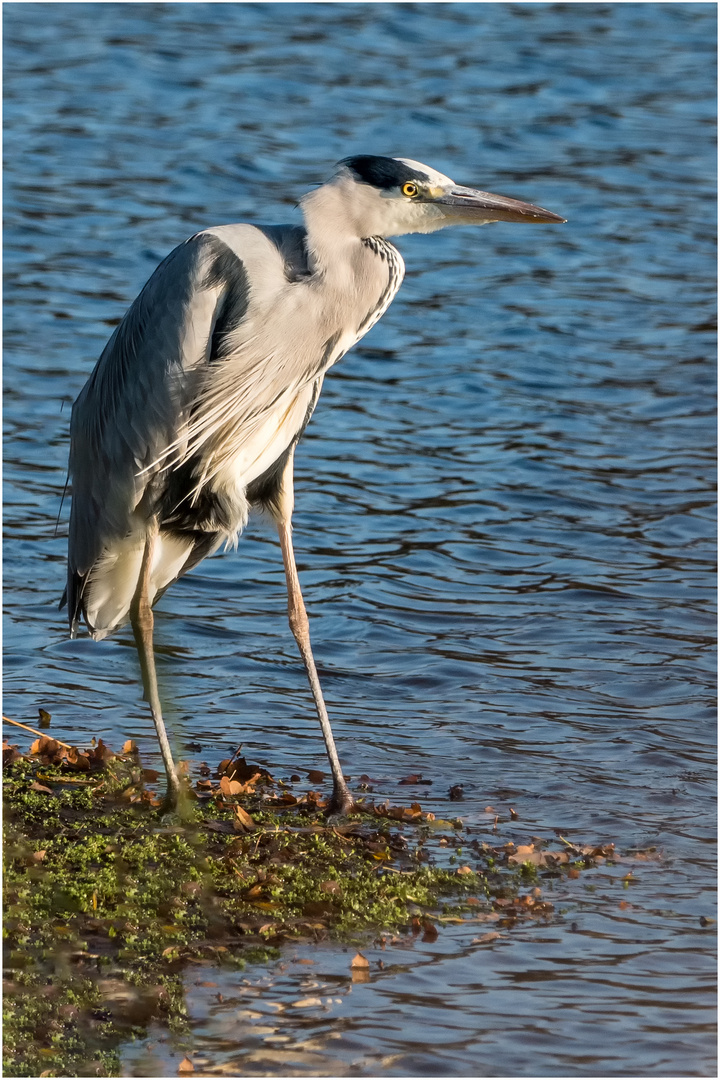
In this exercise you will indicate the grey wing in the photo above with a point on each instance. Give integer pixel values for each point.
(138, 398)
(252, 405)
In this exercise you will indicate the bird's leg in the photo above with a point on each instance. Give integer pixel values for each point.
(342, 801)
(142, 619)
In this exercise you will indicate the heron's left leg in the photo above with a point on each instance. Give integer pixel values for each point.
(342, 800)
(142, 620)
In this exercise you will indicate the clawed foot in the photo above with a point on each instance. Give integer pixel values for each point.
(174, 800)
(341, 803)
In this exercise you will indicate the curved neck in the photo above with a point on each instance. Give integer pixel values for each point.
(332, 220)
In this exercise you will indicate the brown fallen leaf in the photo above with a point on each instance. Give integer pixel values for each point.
(359, 961)
(242, 822)
(315, 776)
(333, 887)
(539, 858)
(44, 718)
(129, 747)
(267, 928)
(248, 787)
(219, 826)
(100, 754)
(230, 787)
(11, 754)
(400, 813)
(186, 1066)
(74, 759)
(45, 745)
(316, 909)
(254, 891)
(492, 935)
(40, 787)
(237, 768)
(464, 870)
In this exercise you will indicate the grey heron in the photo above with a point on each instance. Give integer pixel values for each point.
(191, 415)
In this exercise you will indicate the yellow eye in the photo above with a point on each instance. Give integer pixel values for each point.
(410, 190)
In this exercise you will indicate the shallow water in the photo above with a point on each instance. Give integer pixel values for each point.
(504, 516)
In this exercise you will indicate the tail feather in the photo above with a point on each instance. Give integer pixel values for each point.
(73, 598)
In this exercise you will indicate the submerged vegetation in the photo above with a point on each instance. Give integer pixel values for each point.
(107, 902)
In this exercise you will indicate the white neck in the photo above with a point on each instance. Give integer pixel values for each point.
(332, 227)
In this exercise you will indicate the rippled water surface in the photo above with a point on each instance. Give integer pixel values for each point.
(504, 516)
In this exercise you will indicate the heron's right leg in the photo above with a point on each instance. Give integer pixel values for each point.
(342, 801)
(142, 620)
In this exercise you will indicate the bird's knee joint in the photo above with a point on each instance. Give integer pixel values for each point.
(299, 624)
(141, 617)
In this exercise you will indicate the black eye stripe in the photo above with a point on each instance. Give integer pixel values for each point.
(382, 172)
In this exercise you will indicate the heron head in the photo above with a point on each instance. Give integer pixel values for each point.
(390, 196)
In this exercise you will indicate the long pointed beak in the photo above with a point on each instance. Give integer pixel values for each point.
(481, 206)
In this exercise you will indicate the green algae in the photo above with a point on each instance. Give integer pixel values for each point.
(108, 903)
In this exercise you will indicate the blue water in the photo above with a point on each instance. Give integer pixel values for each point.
(505, 511)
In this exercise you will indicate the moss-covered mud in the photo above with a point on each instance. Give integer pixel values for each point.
(107, 902)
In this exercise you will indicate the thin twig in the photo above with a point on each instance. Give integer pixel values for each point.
(7, 720)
